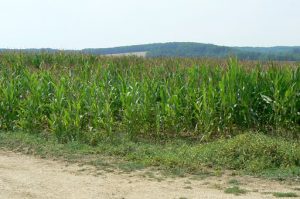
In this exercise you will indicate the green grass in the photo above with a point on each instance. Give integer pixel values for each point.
(242, 152)
(285, 195)
(235, 190)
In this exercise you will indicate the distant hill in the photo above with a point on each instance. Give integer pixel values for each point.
(175, 49)
(189, 49)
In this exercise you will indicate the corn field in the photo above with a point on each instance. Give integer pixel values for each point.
(89, 98)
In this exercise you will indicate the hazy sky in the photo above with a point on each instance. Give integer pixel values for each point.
(69, 24)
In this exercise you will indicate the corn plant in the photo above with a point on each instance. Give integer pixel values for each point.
(88, 98)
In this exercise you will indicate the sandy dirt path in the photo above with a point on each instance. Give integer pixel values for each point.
(23, 176)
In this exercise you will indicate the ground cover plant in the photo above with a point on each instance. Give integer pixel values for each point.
(285, 195)
(95, 100)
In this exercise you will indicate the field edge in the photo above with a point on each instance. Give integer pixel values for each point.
(246, 154)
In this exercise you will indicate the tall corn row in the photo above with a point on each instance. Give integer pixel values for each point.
(89, 98)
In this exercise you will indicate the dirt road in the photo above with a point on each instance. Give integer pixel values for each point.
(29, 177)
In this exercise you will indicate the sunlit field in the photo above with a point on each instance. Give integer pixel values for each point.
(181, 114)
(89, 98)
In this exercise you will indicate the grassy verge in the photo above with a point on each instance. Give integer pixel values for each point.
(252, 153)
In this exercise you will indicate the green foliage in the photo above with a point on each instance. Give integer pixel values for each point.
(180, 49)
(176, 156)
(252, 152)
(89, 98)
(235, 190)
(285, 195)
(190, 49)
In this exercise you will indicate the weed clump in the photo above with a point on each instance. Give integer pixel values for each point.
(235, 190)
